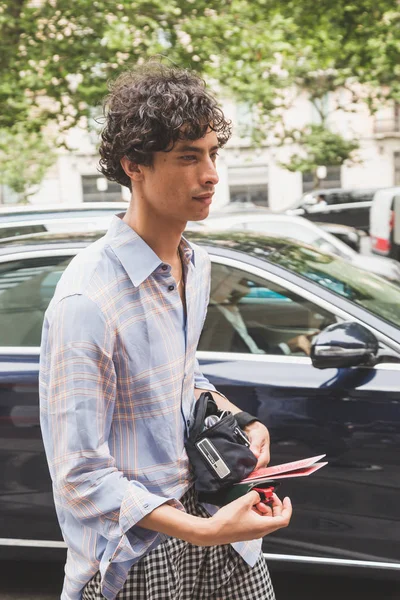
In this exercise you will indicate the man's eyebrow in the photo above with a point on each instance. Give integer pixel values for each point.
(188, 148)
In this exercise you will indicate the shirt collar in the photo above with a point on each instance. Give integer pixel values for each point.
(137, 258)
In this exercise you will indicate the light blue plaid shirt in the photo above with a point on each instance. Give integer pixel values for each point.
(117, 378)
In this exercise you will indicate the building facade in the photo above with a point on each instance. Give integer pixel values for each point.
(247, 173)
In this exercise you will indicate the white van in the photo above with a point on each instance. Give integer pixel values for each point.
(384, 224)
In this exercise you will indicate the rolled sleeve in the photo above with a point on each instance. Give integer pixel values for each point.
(200, 381)
(135, 540)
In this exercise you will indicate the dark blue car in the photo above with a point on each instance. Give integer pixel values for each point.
(305, 341)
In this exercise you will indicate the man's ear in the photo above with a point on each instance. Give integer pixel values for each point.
(132, 169)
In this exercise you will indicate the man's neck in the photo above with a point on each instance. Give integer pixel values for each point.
(162, 236)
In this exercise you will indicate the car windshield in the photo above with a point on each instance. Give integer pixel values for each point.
(377, 295)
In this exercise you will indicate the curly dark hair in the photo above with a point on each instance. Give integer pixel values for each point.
(151, 107)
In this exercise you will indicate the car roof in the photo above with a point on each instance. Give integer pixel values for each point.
(24, 217)
(251, 215)
(239, 207)
(43, 208)
(45, 240)
(341, 190)
(227, 214)
(231, 240)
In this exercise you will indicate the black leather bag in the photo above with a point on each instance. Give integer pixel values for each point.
(219, 455)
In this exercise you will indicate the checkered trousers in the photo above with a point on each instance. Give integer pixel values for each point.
(177, 570)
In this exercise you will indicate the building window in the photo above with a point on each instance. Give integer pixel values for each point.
(332, 180)
(7, 195)
(257, 194)
(248, 183)
(388, 125)
(396, 160)
(98, 189)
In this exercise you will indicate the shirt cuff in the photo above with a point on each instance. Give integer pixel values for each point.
(135, 540)
(202, 383)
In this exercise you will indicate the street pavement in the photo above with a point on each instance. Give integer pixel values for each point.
(42, 581)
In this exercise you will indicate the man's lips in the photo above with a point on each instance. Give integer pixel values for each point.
(205, 198)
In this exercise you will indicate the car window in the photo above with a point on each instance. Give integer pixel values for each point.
(348, 196)
(252, 315)
(362, 195)
(23, 229)
(26, 288)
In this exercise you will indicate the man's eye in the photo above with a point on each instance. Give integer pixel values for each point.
(214, 155)
(189, 157)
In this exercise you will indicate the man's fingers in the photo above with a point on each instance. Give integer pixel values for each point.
(278, 506)
(253, 498)
(255, 448)
(263, 458)
(263, 509)
(260, 449)
(283, 509)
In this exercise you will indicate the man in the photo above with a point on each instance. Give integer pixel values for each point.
(119, 378)
(228, 329)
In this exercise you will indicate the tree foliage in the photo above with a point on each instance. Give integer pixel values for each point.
(319, 146)
(56, 56)
(25, 157)
(318, 47)
(66, 51)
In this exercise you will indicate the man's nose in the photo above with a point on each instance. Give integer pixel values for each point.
(210, 175)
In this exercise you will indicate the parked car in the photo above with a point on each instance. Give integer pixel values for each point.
(27, 220)
(336, 205)
(300, 229)
(342, 400)
(348, 235)
(385, 223)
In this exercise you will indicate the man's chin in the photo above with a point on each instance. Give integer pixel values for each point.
(202, 214)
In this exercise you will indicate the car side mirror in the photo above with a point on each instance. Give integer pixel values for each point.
(347, 344)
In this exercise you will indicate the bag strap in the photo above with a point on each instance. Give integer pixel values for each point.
(205, 406)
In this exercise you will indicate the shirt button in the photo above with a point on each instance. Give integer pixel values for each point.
(164, 267)
(188, 422)
(171, 287)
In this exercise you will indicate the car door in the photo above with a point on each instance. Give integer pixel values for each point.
(351, 414)
(27, 283)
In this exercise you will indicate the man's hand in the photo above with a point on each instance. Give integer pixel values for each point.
(259, 442)
(239, 521)
(302, 343)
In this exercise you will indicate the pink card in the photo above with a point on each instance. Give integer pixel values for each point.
(297, 468)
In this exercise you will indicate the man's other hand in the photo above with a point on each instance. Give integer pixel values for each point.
(259, 442)
(240, 521)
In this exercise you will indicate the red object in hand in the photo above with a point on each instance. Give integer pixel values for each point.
(266, 494)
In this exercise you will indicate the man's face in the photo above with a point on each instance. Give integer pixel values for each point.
(180, 183)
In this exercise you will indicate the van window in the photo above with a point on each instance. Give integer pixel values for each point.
(346, 196)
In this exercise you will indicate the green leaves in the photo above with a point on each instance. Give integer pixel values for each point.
(56, 56)
(25, 157)
(316, 146)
